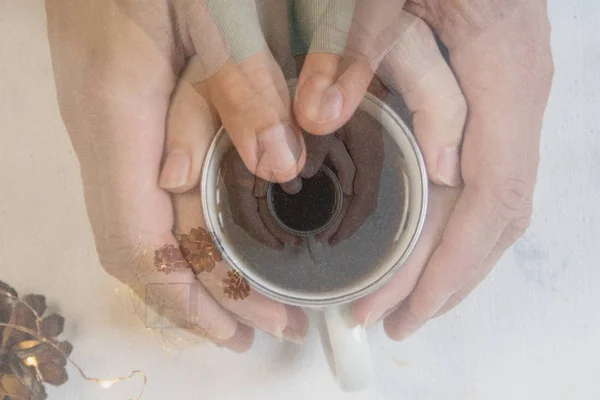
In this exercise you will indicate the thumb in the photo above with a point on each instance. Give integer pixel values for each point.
(191, 123)
(348, 43)
(248, 90)
(417, 69)
(252, 100)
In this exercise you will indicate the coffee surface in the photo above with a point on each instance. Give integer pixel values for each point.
(309, 210)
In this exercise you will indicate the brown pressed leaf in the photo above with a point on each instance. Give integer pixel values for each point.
(235, 286)
(52, 326)
(216, 255)
(168, 259)
(199, 235)
(37, 302)
(199, 250)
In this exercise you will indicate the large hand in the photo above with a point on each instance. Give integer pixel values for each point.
(501, 56)
(116, 68)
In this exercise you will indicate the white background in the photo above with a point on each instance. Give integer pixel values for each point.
(530, 331)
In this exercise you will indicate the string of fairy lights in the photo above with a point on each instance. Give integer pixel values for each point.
(32, 361)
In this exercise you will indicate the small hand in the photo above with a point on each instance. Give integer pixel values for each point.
(248, 203)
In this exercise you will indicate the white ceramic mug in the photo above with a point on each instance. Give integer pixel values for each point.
(348, 340)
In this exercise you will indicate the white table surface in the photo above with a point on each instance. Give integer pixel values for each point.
(530, 331)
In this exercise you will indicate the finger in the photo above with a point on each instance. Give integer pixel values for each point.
(191, 124)
(261, 186)
(165, 283)
(240, 184)
(242, 340)
(276, 229)
(316, 151)
(238, 21)
(373, 307)
(418, 70)
(292, 187)
(297, 324)
(507, 238)
(256, 116)
(231, 291)
(364, 141)
(347, 46)
(472, 233)
(200, 36)
(342, 163)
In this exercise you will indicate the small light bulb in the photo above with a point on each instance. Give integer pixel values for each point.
(106, 384)
(31, 362)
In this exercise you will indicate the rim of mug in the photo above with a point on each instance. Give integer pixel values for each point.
(312, 300)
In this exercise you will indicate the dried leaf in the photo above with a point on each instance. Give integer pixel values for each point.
(235, 286)
(199, 250)
(53, 374)
(28, 344)
(27, 377)
(168, 259)
(37, 302)
(14, 388)
(6, 302)
(66, 347)
(23, 317)
(52, 326)
(5, 287)
(28, 348)
(50, 355)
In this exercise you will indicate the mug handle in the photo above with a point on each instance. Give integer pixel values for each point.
(351, 353)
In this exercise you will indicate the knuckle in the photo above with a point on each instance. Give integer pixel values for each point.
(512, 198)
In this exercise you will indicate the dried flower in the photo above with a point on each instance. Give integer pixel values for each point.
(26, 361)
(199, 250)
(168, 259)
(235, 286)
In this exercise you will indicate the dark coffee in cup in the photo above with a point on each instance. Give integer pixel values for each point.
(312, 209)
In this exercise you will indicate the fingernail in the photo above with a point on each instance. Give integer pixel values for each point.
(309, 170)
(242, 340)
(264, 324)
(297, 325)
(402, 323)
(176, 169)
(448, 166)
(279, 148)
(292, 187)
(319, 101)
